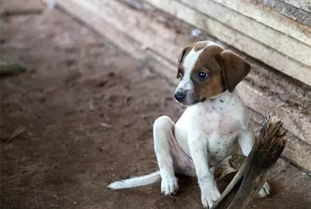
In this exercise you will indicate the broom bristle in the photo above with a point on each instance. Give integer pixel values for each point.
(269, 145)
(271, 137)
(268, 148)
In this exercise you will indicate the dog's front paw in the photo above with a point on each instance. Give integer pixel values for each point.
(210, 197)
(169, 185)
(264, 191)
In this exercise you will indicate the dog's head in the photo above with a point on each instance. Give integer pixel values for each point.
(205, 70)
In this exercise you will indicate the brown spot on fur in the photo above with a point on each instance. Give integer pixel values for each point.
(208, 59)
(199, 46)
(212, 88)
(208, 62)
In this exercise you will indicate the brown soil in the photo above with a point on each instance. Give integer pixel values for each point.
(87, 110)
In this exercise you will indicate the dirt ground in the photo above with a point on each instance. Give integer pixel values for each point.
(86, 110)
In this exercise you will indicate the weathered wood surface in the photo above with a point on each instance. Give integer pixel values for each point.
(270, 18)
(9, 7)
(263, 34)
(234, 38)
(145, 38)
(240, 41)
(296, 151)
(296, 14)
(300, 4)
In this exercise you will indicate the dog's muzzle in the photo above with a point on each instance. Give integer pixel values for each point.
(180, 96)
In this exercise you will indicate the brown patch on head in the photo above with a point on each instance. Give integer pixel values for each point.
(208, 59)
(213, 87)
(198, 46)
(225, 70)
(208, 62)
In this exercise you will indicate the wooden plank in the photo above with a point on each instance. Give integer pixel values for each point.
(263, 34)
(166, 43)
(9, 7)
(269, 18)
(300, 4)
(140, 44)
(81, 9)
(296, 151)
(289, 11)
(299, 126)
(232, 37)
(103, 25)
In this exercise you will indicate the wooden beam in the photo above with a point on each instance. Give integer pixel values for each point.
(270, 18)
(289, 11)
(263, 34)
(300, 4)
(298, 126)
(144, 38)
(236, 39)
(294, 146)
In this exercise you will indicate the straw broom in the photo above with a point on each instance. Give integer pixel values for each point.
(268, 148)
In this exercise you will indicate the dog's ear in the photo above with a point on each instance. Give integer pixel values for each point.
(180, 59)
(183, 53)
(234, 69)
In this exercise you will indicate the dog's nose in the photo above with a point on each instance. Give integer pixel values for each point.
(180, 96)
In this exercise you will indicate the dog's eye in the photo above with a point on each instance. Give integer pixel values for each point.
(202, 76)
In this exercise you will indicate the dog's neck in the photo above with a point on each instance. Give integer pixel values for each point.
(218, 102)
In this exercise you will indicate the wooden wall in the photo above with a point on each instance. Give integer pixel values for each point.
(252, 28)
(146, 34)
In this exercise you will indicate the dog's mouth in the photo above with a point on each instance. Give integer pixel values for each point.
(203, 99)
(191, 100)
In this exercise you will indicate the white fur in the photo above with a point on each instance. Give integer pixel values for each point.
(186, 84)
(136, 181)
(200, 134)
(207, 131)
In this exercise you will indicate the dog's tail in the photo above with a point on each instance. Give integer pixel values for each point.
(136, 181)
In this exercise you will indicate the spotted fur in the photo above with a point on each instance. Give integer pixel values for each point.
(213, 126)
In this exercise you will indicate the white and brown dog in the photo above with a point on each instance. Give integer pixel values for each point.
(211, 128)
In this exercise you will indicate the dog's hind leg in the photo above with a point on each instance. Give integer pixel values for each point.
(171, 158)
(162, 135)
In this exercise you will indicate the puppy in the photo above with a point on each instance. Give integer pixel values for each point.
(213, 126)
